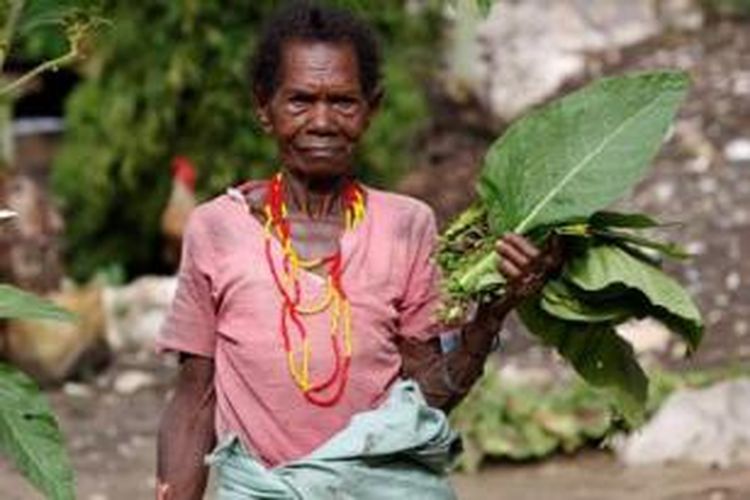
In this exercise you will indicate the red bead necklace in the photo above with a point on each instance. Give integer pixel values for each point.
(328, 391)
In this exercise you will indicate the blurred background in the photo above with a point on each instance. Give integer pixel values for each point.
(103, 159)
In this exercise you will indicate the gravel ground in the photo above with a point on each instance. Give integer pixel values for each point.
(111, 439)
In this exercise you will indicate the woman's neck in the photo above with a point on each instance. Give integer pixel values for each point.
(314, 197)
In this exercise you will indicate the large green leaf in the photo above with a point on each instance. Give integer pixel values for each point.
(561, 301)
(30, 437)
(606, 219)
(598, 354)
(667, 248)
(607, 268)
(579, 154)
(15, 303)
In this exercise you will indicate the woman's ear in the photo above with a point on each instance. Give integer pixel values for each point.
(376, 99)
(373, 103)
(262, 111)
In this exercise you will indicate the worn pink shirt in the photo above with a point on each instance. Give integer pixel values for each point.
(227, 307)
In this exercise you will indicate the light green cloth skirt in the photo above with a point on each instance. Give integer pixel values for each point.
(401, 450)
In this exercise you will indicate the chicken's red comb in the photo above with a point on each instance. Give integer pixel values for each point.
(183, 171)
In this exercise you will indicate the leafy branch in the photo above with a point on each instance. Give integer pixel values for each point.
(29, 433)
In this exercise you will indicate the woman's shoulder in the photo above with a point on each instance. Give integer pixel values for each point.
(400, 205)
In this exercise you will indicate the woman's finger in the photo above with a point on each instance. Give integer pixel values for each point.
(509, 270)
(523, 244)
(509, 252)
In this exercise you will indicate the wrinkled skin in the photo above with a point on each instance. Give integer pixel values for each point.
(319, 111)
(317, 115)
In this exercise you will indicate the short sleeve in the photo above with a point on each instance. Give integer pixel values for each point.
(190, 324)
(421, 299)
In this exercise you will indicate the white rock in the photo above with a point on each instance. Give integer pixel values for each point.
(741, 85)
(132, 381)
(77, 390)
(645, 335)
(135, 312)
(530, 48)
(707, 426)
(737, 150)
(680, 14)
(733, 281)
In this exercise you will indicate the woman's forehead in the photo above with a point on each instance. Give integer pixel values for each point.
(305, 63)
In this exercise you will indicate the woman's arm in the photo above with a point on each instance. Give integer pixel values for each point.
(446, 377)
(186, 432)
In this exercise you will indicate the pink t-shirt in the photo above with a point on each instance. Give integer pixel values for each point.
(227, 307)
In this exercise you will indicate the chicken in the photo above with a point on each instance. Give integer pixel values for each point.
(181, 202)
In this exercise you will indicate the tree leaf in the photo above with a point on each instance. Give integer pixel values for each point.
(30, 436)
(485, 6)
(607, 269)
(667, 249)
(579, 154)
(559, 300)
(606, 219)
(598, 354)
(16, 303)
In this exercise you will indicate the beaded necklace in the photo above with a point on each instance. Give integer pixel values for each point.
(328, 391)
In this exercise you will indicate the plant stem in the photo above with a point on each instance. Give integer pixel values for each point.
(49, 65)
(16, 6)
(486, 265)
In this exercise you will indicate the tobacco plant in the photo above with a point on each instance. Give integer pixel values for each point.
(554, 173)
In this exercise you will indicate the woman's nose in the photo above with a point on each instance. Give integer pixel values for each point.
(322, 119)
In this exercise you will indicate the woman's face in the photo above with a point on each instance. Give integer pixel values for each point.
(318, 112)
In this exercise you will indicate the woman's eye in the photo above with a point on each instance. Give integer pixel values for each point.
(298, 102)
(345, 104)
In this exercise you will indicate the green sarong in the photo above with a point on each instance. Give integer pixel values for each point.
(401, 450)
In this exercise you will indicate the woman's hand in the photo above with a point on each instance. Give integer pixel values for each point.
(526, 267)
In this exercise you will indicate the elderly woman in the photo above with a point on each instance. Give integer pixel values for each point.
(305, 311)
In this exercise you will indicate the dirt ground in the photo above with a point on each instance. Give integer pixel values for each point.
(111, 439)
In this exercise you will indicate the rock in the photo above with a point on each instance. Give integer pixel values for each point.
(132, 381)
(683, 15)
(737, 150)
(646, 335)
(77, 390)
(135, 312)
(707, 426)
(530, 48)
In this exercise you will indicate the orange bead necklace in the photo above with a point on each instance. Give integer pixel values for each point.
(328, 391)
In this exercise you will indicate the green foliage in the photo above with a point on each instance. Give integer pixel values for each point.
(30, 436)
(580, 153)
(15, 303)
(597, 353)
(183, 89)
(522, 420)
(531, 419)
(727, 8)
(42, 30)
(553, 172)
(618, 275)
